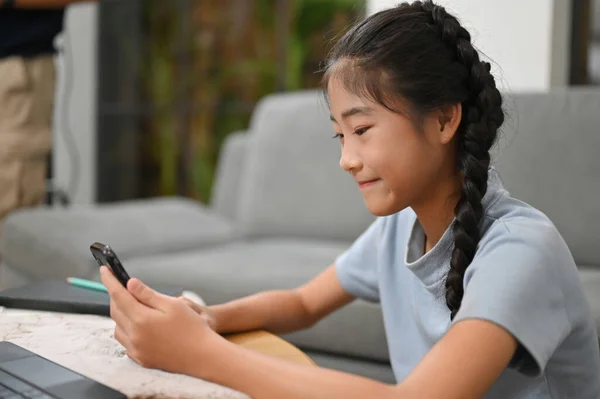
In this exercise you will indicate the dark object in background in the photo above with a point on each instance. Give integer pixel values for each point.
(60, 296)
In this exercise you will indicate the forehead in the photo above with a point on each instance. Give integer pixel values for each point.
(350, 84)
(344, 103)
(340, 97)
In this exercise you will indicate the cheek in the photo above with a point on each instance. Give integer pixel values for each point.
(406, 166)
(398, 161)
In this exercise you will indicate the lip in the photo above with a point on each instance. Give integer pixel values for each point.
(367, 183)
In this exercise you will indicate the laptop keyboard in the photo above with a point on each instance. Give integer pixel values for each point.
(13, 388)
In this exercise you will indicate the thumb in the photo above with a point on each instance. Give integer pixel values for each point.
(145, 294)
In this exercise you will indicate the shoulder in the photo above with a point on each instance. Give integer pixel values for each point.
(521, 247)
(524, 279)
(512, 225)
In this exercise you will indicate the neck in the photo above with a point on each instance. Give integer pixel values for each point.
(436, 211)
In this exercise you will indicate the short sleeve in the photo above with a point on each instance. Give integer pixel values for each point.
(517, 280)
(356, 268)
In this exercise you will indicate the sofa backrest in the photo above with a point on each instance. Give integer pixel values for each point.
(228, 175)
(549, 157)
(292, 184)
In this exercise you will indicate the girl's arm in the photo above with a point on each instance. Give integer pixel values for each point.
(463, 365)
(282, 311)
(162, 332)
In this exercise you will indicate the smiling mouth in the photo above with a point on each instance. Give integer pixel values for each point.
(367, 183)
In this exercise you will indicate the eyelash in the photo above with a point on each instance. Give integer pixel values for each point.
(359, 131)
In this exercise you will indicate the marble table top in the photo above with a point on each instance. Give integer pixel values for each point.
(85, 344)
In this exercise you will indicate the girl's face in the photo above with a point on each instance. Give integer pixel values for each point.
(396, 164)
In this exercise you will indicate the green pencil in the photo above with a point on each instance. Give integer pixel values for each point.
(89, 284)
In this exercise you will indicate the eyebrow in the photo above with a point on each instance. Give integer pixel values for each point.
(354, 111)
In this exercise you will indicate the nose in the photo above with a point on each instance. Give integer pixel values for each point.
(350, 161)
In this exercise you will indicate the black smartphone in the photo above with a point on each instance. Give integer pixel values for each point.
(104, 255)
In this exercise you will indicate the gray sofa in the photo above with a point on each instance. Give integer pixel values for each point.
(282, 210)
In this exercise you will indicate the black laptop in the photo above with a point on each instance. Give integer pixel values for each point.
(23, 374)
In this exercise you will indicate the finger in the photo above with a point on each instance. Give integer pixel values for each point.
(119, 295)
(122, 337)
(195, 307)
(117, 315)
(188, 302)
(185, 300)
(147, 295)
(192, 296)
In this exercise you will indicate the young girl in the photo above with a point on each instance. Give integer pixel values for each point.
(479, 292)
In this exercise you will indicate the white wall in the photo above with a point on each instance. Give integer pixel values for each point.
(78, 104)
(527, 41)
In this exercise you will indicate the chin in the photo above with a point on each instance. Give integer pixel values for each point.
(382, 207)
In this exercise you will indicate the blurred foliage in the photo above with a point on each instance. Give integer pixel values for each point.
(207, 65)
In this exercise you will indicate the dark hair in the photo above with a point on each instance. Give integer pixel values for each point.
(420, 53)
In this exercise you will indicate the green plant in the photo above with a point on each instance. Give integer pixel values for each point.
(234, 53)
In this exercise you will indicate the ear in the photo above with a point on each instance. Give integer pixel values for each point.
(449, 118)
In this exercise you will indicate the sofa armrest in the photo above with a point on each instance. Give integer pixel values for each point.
(228, 175)
(54, 243)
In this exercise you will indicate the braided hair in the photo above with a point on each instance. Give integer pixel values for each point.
(420, 53)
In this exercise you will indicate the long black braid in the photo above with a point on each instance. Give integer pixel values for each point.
(478, 130)
(419, 52)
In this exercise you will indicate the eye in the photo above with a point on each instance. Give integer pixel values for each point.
(361, 130)
(338, 136)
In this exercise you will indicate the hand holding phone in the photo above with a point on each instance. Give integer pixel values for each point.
(104, 255)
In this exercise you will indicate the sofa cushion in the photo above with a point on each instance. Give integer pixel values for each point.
(548, 157)
(292, 183)
(48, 242)
(590, 279)
(224, 273)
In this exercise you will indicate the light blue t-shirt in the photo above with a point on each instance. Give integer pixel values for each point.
(522, 278)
